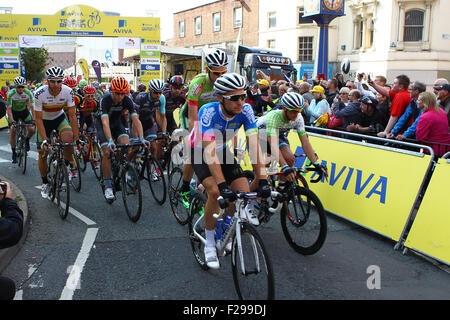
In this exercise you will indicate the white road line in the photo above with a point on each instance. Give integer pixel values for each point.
(31, 154)
(73, 281)
(4, 160)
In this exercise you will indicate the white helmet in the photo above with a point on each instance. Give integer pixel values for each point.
(20, 81)
(230, 82)
(156, 85)
(293, 101)
(216, 59)
(55, 73)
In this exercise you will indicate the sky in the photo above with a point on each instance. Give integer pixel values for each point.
(133, 8)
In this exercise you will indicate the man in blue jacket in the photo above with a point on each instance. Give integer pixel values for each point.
(351, 113)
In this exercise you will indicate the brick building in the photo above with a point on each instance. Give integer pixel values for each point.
(61, 55)
(217, 24)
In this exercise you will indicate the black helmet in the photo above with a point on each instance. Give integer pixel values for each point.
(176, 80)
(370, 101)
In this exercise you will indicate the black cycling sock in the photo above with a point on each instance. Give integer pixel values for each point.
(44, 180)
(185, 187)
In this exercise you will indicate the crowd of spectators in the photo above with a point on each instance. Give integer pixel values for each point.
(366, 106)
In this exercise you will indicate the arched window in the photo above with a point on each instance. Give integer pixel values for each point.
(413, 30)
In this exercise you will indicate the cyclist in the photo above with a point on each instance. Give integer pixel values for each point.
(141, 88)
(151, 108)
(50, 102)
(218, 171)
(19, 106)
(81, 85)
(88, 108)
(201, 91)
(277, 124)
(174, 99)
(98, 92)
(110, 126)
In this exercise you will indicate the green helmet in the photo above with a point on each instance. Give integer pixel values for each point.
(82, 84)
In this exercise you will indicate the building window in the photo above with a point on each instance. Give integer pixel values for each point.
(305, 49)
(272, 19)
(237, 17)
(301, 20)
(216, 21)
(181, 29)
(271, 44)
(198, 25)
(413, 29)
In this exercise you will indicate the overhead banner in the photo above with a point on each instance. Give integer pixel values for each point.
(85, 68)
(77, 20)
(30, 41)
(128, 43)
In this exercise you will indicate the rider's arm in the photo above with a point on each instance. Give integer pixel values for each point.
(74, 122)
(9, 112)
(259, 166)
(308, 149)
(161, 114)
(40, 125)
(136, 124)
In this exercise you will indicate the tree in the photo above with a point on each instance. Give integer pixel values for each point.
(35, 60)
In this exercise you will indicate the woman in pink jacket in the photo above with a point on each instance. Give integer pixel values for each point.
(433, 124)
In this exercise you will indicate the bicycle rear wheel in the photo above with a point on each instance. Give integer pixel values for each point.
(252, 270)
(131, 192)
(180, 213)
(62, 190)
(195, 213)
(75, 179)
(156, 180)
(22, 153)
(96, 160)
(304, 222)
(51, 175)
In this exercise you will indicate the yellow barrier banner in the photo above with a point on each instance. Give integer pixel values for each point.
(372, 187)
(85, 68)
(430, 232)
(3, 123)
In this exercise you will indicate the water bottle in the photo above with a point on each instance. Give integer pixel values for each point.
(226, 223)
(193, 186)
(219, 230)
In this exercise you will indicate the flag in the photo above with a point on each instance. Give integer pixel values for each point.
(84, 67)
(98, 70)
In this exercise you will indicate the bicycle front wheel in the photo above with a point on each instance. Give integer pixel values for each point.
(62, 190)
(180, 213)
(304, 222)
(252, 270)
(156, 180)
(22, 154)
(131, 193)
(195, 214)
(96, 160)
(75, 174)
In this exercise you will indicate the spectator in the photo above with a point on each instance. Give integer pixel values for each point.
(438, 83)
(350, 85)
(4, 92)
(263, 101)
(318, 106)
(332, 91)
(11, 228)
(304, 90)
(444, 99)
(352, 111)
(400, 98)
(252, 93)
(433, 124)
(405, 128)
(340, 79)
(363, 87)
(383, 107)
(340, 102)
(371, 118)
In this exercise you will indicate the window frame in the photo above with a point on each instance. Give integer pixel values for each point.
(307, 40)
(235, 25)
(180, 34)
(195, 25)
(299, 19)
(214, 21)
(269, 19)
(405, 25)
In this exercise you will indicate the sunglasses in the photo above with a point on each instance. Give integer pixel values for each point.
(119, 94)
(55, 81)
(236, 97)
(218, 73)
(157, 93)
(89, 95)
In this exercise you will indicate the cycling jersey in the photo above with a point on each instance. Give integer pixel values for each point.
(114, 112)
(52, 107)
(173, 102)
(201, 92)
(146, 108)
(18, 102)
(276, 125)
(88, 107)
(212, 120)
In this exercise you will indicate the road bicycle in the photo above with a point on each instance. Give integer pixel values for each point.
(125, 178)
(90, 152)
(251, 266)
(58, 174)
(21, 148)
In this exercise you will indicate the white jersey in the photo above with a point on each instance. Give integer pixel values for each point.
(52, 107)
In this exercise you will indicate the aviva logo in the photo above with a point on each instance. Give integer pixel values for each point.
(37, 21)
(122, 23)
(123, 28)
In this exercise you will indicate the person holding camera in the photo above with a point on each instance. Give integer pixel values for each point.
(11, 229)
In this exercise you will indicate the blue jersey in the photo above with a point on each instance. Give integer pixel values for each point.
(213, 125)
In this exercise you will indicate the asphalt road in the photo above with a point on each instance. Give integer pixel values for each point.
(117, 259)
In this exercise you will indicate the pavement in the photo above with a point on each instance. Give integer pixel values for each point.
(7, 254)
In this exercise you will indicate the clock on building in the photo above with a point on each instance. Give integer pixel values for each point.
(333, 5)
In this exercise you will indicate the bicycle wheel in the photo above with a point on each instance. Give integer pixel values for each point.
(75, 176)
(156, 180)
(62, 190)
(180, 213)
(131, 192)
(195, 209)
(96, 160)
(81, 156)
(21, 152)
(304, 222)
(52, 164)
(252, 270)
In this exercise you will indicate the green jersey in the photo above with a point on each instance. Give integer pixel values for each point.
(18, 102)
(201, 92)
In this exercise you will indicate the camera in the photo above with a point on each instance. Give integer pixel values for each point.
(3, 187)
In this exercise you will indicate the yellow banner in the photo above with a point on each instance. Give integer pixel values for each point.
(85, 68)
(430, 232)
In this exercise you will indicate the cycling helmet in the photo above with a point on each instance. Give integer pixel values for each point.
(369, 101)
(89, 90)
(20, 81)
(176, 80)
(293, 101)
(55, 73)
(156, 85)
(82, 84)
(70, 82)
(119, 85)
(216, 59)
(229, 82)
(142, 87)
(95, 84)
